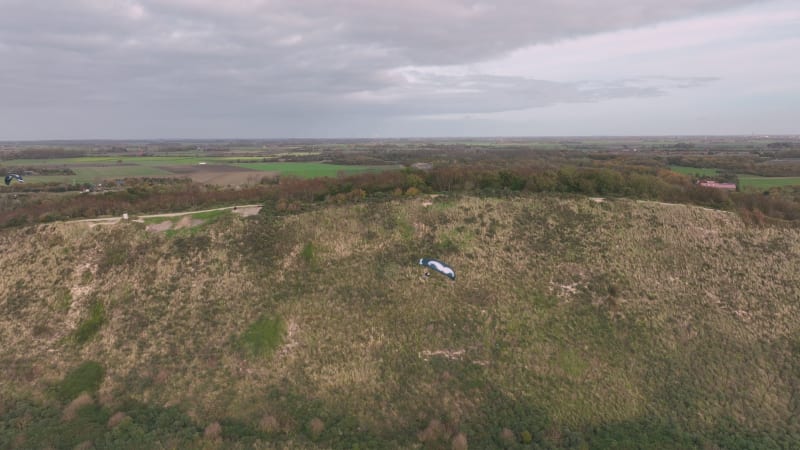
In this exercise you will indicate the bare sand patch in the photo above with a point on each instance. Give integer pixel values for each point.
(161, 226)
(247, 210)
(187, 222)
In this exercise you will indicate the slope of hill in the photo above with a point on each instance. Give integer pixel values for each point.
(573, 323)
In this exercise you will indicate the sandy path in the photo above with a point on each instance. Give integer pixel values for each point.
(242, 210)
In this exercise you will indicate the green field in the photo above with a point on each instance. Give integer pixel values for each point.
(756, 182)
(314, 170)
(96, 169)
(138, 160)
(745, 181)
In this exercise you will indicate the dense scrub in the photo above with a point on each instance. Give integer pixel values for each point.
(574, 323)
(294, 194)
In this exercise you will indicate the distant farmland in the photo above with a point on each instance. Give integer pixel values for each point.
(757, 182)
(745, 181)
(314, 170)
(213, 170)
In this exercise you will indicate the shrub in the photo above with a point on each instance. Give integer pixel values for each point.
(262, 337)
(308, 253)
(84, 378)
(92, 325)
(115, 255)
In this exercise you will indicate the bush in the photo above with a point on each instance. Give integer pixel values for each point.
(308, 253)
(262, 337)
(92, 325)
(84, 378)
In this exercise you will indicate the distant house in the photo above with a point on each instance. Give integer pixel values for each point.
(715, 185)
(422, 166)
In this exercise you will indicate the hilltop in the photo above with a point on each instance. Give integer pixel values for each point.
(574, 323)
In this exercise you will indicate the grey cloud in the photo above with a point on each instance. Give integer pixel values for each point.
(306, 59)
(438, 94)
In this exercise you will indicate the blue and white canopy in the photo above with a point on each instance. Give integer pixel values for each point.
(438, 266)
(11, 176)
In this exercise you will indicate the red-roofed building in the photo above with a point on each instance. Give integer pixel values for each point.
(715, 185)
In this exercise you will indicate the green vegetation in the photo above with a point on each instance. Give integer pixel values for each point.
(263, 337)
(744, 181)
(122, 161)
(596, 306)
(84, 378)
(98, 168)
(695, 171)
(210, 216)
(114, 254)
(314, 170)
(565, 329)
(206, 216)
(307, 254)
(761, 183)
(197, 221)
(89, 327)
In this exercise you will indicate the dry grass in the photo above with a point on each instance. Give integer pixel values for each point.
(459, 442)
(589, 313)
(316, 426)
(269, 424)
(213, 431)
(433, 432)
(71, 410)
(116, 419)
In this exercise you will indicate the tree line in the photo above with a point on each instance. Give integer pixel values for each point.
(286, 194)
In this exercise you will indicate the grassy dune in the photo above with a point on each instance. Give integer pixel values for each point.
(572, 324)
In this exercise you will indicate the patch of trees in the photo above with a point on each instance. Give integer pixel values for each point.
(43, 153)
(621, 177)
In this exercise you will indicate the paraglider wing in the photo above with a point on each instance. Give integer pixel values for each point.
(11, 176)
(438, 266)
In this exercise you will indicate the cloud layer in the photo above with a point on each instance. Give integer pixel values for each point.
(262, 68)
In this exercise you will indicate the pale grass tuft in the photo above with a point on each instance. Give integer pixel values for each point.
(71, 410)
(213, 431)
(361, 371)
(85, 445)
(290, 338)
(507, 436)
(105, 398)
(460, 442)
(316, 426)
(434, 431)
(19, 441)
(116, 419)
(161, 377)
(158, 227)
(188, 222)
(269, 424)
(455, 355)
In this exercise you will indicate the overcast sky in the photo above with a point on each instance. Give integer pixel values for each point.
(127, 69)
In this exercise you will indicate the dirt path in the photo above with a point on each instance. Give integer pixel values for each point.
(242, 210)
